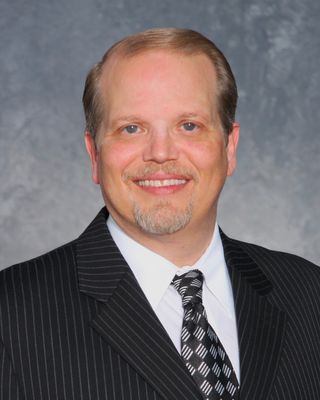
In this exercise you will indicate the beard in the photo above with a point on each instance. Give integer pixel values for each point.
(162, 218)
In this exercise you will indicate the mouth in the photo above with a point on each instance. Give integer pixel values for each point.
(161, 182)
(161, 185)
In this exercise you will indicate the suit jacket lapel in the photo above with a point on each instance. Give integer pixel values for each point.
(261, 325)
(127, 322)
(125, 319)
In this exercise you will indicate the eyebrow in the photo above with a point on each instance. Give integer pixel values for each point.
(207, 118)
(133, 117)
(194, 115)
(125, 118)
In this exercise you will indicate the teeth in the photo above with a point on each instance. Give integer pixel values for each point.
(164, 182)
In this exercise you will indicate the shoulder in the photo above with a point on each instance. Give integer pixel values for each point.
(267, 258)
(273, 260)
(284, 263)
(293, 278)
(37, 273)
(279, 267)
(293, 282)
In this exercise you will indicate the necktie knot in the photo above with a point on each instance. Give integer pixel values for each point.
(189, 286)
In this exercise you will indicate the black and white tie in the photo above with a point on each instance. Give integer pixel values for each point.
(201, 349)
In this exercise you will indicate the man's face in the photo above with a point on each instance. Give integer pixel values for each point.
(161, 157)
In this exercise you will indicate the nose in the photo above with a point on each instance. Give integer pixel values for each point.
(160, 147)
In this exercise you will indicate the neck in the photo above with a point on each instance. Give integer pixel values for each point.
(181, 248)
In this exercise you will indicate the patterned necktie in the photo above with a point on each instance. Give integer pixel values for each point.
(201, 350)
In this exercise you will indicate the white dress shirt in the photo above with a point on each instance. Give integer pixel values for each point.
(155, 273)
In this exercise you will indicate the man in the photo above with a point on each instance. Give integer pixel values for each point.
(119, 312)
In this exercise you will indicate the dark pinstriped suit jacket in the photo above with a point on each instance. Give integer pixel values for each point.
(75, 325)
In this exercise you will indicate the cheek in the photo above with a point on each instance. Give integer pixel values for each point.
(115, 158)
(207, 157)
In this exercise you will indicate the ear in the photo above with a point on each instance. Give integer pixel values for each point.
(232, 148)
(94, 156)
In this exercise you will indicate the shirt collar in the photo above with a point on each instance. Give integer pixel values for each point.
(154, 273)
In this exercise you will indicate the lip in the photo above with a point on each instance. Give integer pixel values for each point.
(161, 184)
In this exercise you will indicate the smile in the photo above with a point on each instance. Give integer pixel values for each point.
(161, 183)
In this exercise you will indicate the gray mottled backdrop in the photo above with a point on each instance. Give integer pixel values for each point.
(46, 49)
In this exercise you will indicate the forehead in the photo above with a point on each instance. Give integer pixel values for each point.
(158, 81)
(157, 64)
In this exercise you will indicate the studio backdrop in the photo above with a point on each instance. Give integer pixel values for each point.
(47, 47)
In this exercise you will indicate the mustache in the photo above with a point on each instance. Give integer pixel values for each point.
(167, 168)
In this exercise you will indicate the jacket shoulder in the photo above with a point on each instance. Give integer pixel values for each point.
(34, 272)
(284, 271)
(293, 282)
(273, 258)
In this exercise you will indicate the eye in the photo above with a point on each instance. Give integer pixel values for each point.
(189, 126)
(131, 129)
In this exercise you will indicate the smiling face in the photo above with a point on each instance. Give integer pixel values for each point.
(161, 157)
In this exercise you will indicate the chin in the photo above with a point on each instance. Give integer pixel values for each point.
(162, 219)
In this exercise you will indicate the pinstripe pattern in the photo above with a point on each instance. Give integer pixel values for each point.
(74, 325)
(278, 322)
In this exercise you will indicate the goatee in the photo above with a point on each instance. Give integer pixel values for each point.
(162, 218)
